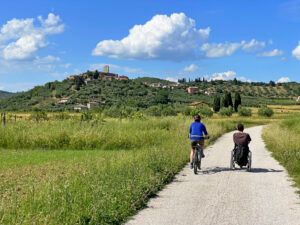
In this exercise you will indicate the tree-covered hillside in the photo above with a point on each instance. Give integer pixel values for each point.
(4, 94)
(152, 80)
(137, 94)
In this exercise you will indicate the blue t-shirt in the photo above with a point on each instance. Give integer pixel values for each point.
(196, 131)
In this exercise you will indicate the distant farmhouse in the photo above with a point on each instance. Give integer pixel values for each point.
(123, 78)
(192, 90)
(210, 92)
(92, 105)
(65, 101)
(156, 85)
(80, 107)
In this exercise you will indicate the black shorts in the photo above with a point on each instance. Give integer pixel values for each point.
(194, 143)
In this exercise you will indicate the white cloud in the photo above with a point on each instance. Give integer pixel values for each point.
(274, 52)
(20, 39)
(191, 68)
(284, 80)
(172, 79)
(215, 50)
(229, 75)
(172, 37)
(296, 51)
(253, 46)
(66, 65)
(116, 68)
(46, 59)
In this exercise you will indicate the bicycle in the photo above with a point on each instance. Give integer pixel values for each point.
(197, 157)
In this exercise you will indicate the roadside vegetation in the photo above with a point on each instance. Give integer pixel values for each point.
(64, 181)
(283, 140)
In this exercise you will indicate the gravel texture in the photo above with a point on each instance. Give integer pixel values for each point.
(218, 195)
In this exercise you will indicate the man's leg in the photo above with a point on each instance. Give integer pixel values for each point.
(201, 144)
(191, 158)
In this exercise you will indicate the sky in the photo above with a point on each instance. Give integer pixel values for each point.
(42, 41)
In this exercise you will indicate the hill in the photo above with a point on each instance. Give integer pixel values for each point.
(152, 80)
(109, 91)
(4, 94)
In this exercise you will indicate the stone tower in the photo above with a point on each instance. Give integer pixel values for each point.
(106, 69)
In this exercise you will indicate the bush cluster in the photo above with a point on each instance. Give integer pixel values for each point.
(242, 111)
(265, 111)
(226, 111)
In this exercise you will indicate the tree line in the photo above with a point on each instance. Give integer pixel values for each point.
(225, 101)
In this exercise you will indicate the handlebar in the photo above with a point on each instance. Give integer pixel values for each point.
(206, 137)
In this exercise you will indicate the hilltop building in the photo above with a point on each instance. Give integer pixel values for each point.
(106, 69)
(80, 107)
(88, 81)
(123, 78)
(92, 105)
(156, 85)
(192, 90)
(65, 101)
(210, 92)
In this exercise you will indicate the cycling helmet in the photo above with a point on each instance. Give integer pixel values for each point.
(197, 118)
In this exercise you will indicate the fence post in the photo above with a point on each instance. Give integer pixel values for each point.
(81, 119)
(4, 119)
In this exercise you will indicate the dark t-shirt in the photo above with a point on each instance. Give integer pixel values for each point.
(241, 139)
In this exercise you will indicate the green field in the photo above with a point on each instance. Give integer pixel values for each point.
(283, 140)
(102, 174)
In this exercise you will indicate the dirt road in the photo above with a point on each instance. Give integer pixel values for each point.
(218, 195)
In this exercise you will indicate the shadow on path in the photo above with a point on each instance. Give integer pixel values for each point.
(224, 169)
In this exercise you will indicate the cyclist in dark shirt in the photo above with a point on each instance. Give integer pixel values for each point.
(240, 138)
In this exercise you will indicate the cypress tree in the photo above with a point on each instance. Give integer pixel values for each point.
(217, 103)
(229, 99)
(237, 101)
(226, 99)
(223, 102)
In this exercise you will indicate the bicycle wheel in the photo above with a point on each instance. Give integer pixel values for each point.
(232, 166)
(199, 160)
(249, 161)
(195, 161)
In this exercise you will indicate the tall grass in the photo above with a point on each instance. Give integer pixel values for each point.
(90, 186)
(283, 139)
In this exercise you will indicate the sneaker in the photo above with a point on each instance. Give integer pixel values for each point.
(202, 154)
(191, 165)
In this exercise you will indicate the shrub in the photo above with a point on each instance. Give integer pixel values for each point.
(138, 115)
(265, 111)
(226, 111)
(242, 111)
(187, 111)
(39, 115)
(153, 111)
(168, 111)
(202, 111)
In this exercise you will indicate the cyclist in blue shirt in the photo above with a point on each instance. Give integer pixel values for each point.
(196, 136)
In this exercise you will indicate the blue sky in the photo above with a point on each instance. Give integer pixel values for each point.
(43, 41)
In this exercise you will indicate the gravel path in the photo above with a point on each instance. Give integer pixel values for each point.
(218, 195)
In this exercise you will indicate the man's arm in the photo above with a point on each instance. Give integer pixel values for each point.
(249, 138)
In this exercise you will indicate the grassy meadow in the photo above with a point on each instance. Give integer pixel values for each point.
(97, 172)
(100, 171)
(283, 140)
